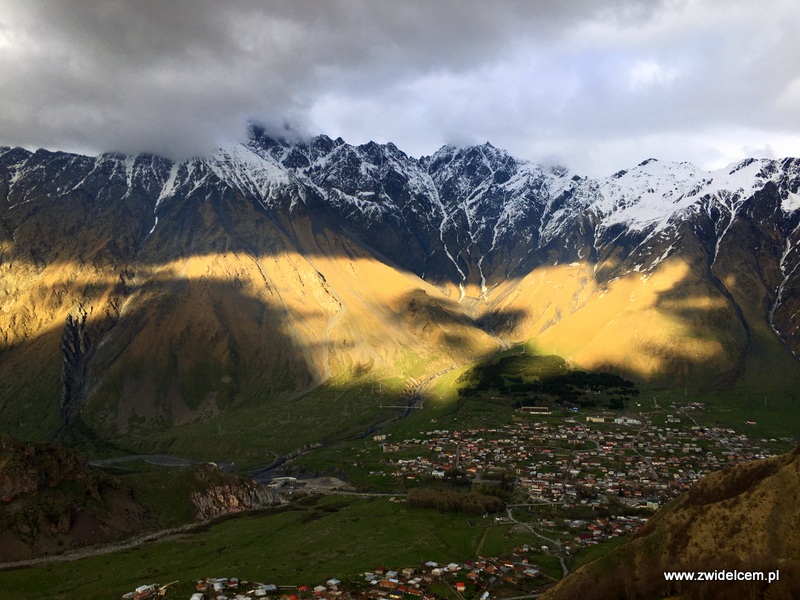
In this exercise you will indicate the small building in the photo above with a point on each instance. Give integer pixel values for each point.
(531, 571)
(145, 591)
(535, 410)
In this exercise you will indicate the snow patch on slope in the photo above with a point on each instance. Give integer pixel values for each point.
(169, 185)
(652, 194)
(253, 172)
(791, 203)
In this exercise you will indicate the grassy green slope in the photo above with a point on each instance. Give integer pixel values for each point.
(293, 546)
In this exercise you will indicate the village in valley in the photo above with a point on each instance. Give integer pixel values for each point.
(617, 468)
(568, 482)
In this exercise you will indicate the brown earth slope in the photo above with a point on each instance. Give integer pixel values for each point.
(52, 500)
(746, 518)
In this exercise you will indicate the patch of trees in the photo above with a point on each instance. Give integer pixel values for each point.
(545, 380)
(616, 404)
(513, 369)
(470, 503)
(496, 483)
(505, 478)
(457, 477)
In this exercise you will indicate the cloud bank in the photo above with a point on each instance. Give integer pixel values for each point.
(595, 85)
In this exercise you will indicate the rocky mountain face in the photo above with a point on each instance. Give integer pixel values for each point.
(234, 496)
(52, 500)
(744, 518)
(139, 294)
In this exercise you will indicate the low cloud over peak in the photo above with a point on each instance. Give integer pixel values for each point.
(598, 84)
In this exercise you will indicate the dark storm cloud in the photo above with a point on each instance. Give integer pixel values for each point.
(591, 82)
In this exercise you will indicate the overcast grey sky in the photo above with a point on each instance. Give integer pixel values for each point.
(595, 85)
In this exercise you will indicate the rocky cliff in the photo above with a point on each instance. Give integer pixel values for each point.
(52, 500)
(234, 498)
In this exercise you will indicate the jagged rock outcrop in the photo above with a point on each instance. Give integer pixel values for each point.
(234, 498)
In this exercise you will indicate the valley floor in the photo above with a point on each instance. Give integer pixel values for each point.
(574, 481)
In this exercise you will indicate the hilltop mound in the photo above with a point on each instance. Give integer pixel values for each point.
(52, 500)
(746, 518)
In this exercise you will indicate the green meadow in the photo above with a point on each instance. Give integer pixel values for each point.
(307, 542)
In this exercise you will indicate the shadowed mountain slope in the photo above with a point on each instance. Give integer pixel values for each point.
(140, 295)
(51, 500)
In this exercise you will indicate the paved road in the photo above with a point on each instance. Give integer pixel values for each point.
(555, 543)
(161, 460)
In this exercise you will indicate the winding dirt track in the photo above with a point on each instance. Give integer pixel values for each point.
(82, 553)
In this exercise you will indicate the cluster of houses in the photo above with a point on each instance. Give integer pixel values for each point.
(570, 463)
(475, 579)
(553, 459)
(505, 575)
(223, 588)
(588, 532)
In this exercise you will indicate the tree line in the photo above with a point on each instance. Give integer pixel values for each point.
(470, 503)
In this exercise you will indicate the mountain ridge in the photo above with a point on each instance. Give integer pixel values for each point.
(150, 294)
